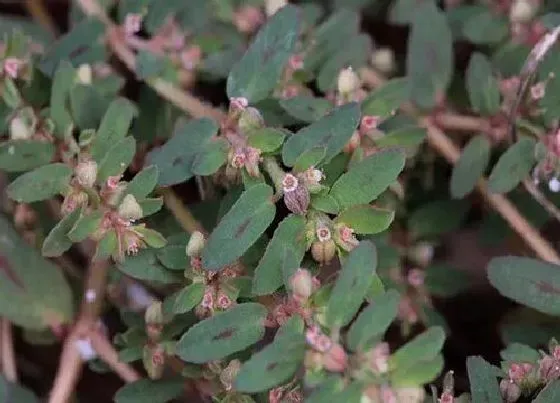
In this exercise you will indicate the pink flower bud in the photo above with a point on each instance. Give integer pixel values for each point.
(510, 390)
(295, 62)
(190, 57)
(538, 91)
(302, 284)
(323, 233)
(446, 397)
(12, 67)
(112, 182)
(224, 302)
(368, 123)
(289, 183)
(86, 173)
(274, 395)
(518, 372)
(415, 278)
(549, 368)
(335, 359)
(344, 237)
(132, 23)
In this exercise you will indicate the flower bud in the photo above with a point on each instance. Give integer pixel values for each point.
(74, 199)
(522, 11)
(19, 129)
(509, 390)
(410, 395)
(348, 81)
(302, 284)
(154, 360)
(250, 119)
(415, 278)
(312, 177)
(383, 60)
(238, 103)
(323, 252)
(335, 359)
(252, 160)
(549, 368)
(86, 173)
(344, 237)
(115, 195)
(353, 143)
(296, 195)
(133, 23)
(422, 253)
(129, 208)
(272, 6)
(228, 374)
(12, 67)
(195, 244)
(85, 74)
(154, 320)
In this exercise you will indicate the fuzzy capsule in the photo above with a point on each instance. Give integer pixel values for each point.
(410, 394)
(129, 209)
(272, 6)
(195, 244)
(522, 11)
(154, 361)
(348, 81)
(302, 284)
(323, 251)
(335, 359)
(86, 173)
(250, 119)
(73, 200)
(510, 390)
(154, 320)
(19, 130)
(85, 74)
(296, 195)
(383, 60)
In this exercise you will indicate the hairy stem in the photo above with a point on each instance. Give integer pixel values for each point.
(181, 213)
(9, 368)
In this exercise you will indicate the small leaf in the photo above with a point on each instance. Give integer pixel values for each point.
(57, 242)
(175, 159)
(188, 298)
(325, 203)
(424, 347)
(429, 62)
(419, 374)
(368, 178)
(150, 391)
(87, 105)
(223, 334)
(406, 137)
(85, 226)
(550, 394)
(306, 108)
(63, 81)
(40, 184)
(145, 266)
(530, 282)
(437, 218)
(149, 65)
(289, 237)
(482, 86)
(106, 246)
(25, 155)
(482, 377)
(385, 100)
(151, 206)
(352, 284)
(470, 167)
(513, 166)
(243, 224)
(266, 139)
(117, 159)
(333, 132)
(444, 281)
(258, 71)
(374, 320)
(113, 128)
(364, 219)
(275, 364)
(151, 237)
(143, 183)
(309, 159)
(173, 257)
(486, 28)
(208, 161)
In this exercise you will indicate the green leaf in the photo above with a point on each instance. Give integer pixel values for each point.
(550, 394)
(151, 206)
(211, 159)
(223, 334)
(482, 86)
(176, 158)
(333, 132)
(174, 257)
(117, 159)
(63, 81)
(87, 105)
(25, 155)
(257, 73)
(33, 291)
(513, 166)
(429, 62)
(482, 377)
(424, 347)
(309, 158)
(374, 320)
(470, 167)
(152, 238)
(325, 202)
(106, 246)
(188, 298)
(530, 282)
(486, 28)
(57, 242)
(406, 137)
(442, 280)
(80, 45)
(40, 184)
(437, 218)
(365, 219)
(15, 393)
(368, 178)
(275, 364)
(243, 224)
(385, 100)
(516, 352)
(419, 374)
(266, 139)
(352, 284)
(143, 183)
(403, 11)
(150, 391)
(85, 226)
(289, 237)
(145, 266)
(306, 108)
(149, 64)
(113, 128)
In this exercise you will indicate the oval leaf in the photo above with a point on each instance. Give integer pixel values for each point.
(365, 219)
(513, 166)
(470, 167)
(40, 184)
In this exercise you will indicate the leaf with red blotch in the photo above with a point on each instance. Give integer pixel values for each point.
(33, 291)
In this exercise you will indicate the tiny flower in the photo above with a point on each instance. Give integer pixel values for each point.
(323, 251)
(250, 119)
(272, 6)
(369, 122)
(509, 390)
(195, 244)
(348, 81)
(421, 253)
(383, 60)
(208, 299)
(239, 103)
(252, 160)
(73, 200)
(295, 62)
(554, 185)
(335, 359)
(86, 173)
(538, 91)
(518, 372)
(302, 284)
(224, 302)
(228, 374)
(238, 159)
(522, 11)
(323, 234)
(12, 66)
(85, 74)
(323, 343)
(112, 182)
(133, 242)
(549, 368)
(274, 395)
(19, 129)
(289, 183)
(415, 277)
(132, 23)
(129, 209)
(446, 397)
(345, 238)
(154, 360)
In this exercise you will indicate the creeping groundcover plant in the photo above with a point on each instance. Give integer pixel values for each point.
(273, 201)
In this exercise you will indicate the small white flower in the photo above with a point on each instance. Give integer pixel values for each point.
(348, 81)
(289, 183)
(239, 102)
(86, 350)
(132, 23)
(554, 185)
(90, 296)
